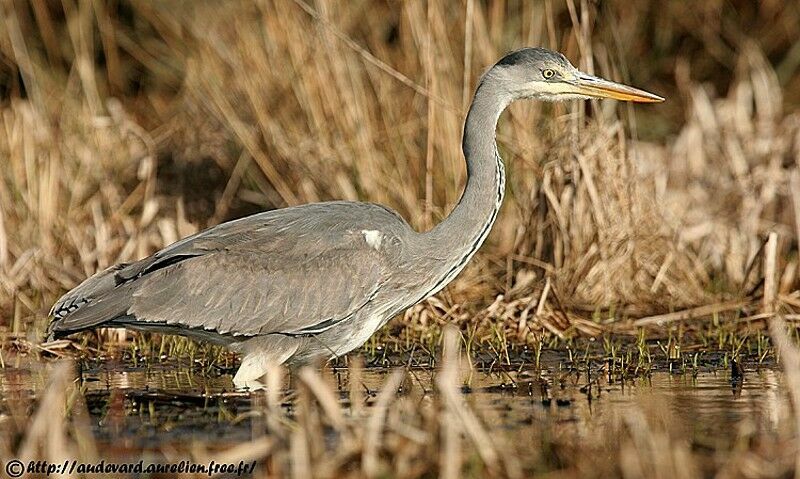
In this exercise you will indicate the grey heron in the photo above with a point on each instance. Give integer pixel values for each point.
(313, 281)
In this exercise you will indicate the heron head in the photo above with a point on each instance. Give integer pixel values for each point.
(546, 75)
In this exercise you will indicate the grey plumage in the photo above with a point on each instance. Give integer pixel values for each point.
(318, 280)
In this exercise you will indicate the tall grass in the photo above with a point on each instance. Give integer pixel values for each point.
(128, 125)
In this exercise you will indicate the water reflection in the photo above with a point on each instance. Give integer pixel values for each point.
(166, 403)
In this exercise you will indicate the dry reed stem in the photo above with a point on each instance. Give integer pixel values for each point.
(354, 377)
(46, 436)
(371, 58)
(450, 455)
(376, 422)
(770, 274)
(256, 449)
(794, 187)
(691, 313)
(447, 384)
(789, 355)
(300, 457)
(324, 395)
(651, 453)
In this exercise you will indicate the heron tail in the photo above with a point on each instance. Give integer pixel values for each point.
(98, 300)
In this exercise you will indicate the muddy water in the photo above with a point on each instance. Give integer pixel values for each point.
(706, 409)
(169, 404)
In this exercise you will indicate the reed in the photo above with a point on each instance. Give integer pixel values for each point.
(128, 125)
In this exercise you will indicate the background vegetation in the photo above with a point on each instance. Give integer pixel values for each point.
(128, 124)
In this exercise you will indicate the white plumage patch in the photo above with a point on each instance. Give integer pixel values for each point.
(374, 238)
(255, 365)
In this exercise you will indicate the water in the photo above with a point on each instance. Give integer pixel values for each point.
(169, 404)
(707, 409)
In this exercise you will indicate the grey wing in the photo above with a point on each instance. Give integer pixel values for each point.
(242, 293)
(293, 271)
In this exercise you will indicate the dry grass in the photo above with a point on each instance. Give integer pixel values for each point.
(126, 125)
(125, 128)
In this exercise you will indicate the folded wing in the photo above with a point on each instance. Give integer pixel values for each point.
(294, 271)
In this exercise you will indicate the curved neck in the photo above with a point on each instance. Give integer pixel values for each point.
(459, 235)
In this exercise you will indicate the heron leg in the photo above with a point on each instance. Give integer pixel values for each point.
(259, 354)
(249, 384)
(252, 370)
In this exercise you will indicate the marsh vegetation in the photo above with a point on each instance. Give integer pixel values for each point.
(641, 252)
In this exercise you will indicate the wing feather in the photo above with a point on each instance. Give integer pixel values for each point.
(297, 270)
(249, 293)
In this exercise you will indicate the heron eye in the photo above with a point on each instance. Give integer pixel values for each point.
(548, 74)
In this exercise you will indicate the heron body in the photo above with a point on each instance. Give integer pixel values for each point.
(317, 280)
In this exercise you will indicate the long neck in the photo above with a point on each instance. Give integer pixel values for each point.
(457, 238)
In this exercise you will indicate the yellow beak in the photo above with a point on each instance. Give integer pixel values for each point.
(599, 88)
